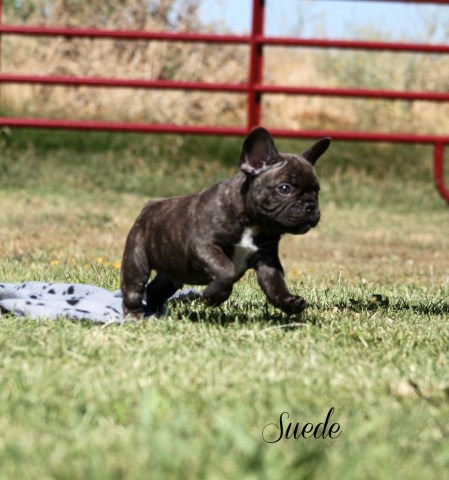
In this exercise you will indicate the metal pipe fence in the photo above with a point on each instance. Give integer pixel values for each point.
(254, 88)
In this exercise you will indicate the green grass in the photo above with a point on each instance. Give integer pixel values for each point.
(188, 396)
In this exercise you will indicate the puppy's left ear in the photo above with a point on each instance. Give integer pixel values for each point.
(258, 152)
(316, 150)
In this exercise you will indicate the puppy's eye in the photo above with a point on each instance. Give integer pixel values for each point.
(284, 188)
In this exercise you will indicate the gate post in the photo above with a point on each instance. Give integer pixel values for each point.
(1, 18)
(438, 169)
(255, 64)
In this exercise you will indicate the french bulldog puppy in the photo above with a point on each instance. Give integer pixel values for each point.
(213, 237)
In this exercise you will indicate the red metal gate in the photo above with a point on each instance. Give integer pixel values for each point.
(254, 88)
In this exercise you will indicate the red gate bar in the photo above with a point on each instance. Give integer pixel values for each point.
(121, 82)
(218, 130)
(354, 44)
(122, 34)
(226, 39)
(222, 87)
(254, 88)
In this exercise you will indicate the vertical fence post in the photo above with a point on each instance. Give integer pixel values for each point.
(1, 15)
(255, 64)
(438, 170)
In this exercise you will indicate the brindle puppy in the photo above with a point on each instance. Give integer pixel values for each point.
(213, 237)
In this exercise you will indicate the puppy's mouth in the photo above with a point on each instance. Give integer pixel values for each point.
(301, 229)
(293, 221)
(304, 227)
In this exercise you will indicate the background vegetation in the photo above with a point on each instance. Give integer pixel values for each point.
(204, 62)
(188, 396)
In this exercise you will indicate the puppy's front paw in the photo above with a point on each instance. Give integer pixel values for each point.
(214, 297)
(293, 304)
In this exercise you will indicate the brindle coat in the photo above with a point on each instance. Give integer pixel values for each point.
(213, 237)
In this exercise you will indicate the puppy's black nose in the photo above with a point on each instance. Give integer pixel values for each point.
(310, 207)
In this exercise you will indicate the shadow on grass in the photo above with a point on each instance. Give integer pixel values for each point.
(382, 303)
(247, 312)
(235, 313)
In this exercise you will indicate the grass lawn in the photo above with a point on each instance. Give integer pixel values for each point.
(190, 395)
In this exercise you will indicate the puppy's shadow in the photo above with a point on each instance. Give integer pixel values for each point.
(231, 313)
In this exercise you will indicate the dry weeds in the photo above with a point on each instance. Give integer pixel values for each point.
(211, 63)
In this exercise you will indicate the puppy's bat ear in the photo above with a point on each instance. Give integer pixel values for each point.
(258, 152)
(316, 150)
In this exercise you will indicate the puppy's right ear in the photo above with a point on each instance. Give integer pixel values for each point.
(258, 152)
(316, 150)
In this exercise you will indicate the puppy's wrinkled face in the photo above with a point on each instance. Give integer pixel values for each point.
(282, 189)
(285, 196)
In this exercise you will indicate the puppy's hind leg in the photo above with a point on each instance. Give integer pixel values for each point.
(134, 276)
(157, 292)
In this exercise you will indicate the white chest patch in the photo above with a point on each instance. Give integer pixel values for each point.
(244, 250)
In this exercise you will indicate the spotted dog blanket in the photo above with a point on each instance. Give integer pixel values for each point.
(73, 301)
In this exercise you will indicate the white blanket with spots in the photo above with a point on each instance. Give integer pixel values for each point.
(73, 301)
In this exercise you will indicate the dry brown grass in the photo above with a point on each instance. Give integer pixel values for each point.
(211, 63)
(123, 59)
(351, 245)
(374, 70)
